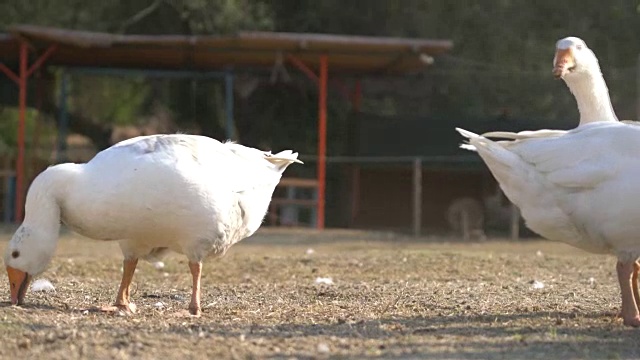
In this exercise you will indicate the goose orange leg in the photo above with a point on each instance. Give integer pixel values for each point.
(196, 272)
(123, 302)
(634, 283)
(627, 272)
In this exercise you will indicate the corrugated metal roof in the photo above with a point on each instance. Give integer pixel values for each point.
(347, 54)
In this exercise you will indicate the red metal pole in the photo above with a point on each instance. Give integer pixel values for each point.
(356, 101)
(313, 77)
(10, 74)
(24, 54)
(355, 193)
(47, 54)
(322, 138)
(302, 67)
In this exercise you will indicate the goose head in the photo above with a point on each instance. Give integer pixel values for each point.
(578, 66)
(27, 255)
(573, 58)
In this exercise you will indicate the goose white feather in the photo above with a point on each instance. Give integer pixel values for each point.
(578, 66)
(561, 188)
(190, 194)
(578, 186)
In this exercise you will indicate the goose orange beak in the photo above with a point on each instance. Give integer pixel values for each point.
(563, 63)
(18, 284)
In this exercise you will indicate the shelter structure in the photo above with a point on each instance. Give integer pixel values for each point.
(25, 48)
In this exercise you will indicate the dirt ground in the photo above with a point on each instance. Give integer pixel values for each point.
(391, 298)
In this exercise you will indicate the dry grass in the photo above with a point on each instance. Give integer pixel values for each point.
(391, 299)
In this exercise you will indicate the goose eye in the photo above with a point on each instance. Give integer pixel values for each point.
(15, 254)
(579, 46)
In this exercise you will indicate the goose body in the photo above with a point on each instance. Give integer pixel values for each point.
(154, 192)
(190, 194)
(578, 186)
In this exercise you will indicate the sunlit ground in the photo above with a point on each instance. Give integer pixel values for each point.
(390, 297)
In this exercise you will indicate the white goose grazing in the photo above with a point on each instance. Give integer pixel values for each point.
(581, 186)
(186, 193)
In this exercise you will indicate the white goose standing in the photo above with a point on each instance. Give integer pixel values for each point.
(578, 66)
(186, 193)
(578, 186)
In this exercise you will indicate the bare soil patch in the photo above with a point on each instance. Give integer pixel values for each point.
(391, 298)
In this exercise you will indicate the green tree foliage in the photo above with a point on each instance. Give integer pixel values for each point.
(9, 126)
(503, 48)
(112, 100)
(500, 63)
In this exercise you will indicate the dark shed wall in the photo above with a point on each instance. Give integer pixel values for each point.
(386, 196)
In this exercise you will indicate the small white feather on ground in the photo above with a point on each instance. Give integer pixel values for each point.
(324, 280)
(535, 284)
(42, 285)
